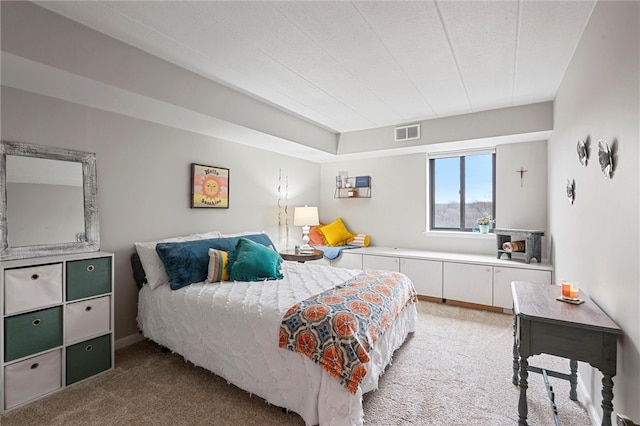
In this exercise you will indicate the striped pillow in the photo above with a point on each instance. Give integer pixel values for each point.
(218, 266)
(361, 240)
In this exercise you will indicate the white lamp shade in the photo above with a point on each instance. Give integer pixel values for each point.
(305, 216)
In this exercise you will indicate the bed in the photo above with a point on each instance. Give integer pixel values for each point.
(233, 329)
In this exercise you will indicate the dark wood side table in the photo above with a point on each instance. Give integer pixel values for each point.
(301, 257)
(582, 332)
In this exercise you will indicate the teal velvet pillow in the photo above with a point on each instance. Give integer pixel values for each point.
(188, 262)
(251, 261)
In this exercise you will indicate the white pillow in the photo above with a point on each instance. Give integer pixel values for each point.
(241, 234)
(151, 263)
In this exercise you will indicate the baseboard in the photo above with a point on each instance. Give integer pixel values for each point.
(128, 341)
(473, 305)
(465, 304)
(592, 409)
(430, 299)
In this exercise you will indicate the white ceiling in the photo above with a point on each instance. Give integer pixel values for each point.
(357, 65)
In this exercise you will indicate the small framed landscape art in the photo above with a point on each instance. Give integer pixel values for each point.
(209, 186)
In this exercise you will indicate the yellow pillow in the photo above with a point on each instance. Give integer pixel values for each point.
(335, 233)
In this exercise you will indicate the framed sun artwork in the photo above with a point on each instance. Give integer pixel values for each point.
(209, 186)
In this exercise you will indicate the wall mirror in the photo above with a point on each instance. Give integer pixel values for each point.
(47, 201)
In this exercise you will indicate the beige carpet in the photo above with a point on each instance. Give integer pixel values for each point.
(454, 370)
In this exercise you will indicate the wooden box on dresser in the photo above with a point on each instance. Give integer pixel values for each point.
(57, 324)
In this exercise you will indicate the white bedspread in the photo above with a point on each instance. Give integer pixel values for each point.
(232, 330)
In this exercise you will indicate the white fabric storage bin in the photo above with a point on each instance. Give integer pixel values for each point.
(31, 288)
(87, 318)
(31, 378)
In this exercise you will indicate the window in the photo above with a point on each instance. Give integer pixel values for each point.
(461, 189)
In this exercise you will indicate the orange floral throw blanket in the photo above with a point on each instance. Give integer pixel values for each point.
(338, 327)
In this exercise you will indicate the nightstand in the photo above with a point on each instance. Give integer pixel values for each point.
(301, 257)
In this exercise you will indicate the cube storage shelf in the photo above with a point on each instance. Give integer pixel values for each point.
(353, 187)
(57, 324)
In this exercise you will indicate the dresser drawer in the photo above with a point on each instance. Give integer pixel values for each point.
(87, 318)
(89, 277)
(88, 358)
(32, 332)
(28, 379)
(31, 288)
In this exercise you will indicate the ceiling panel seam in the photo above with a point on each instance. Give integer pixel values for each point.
(206, 57)
(400, 67)
(453, 53)
(346, 69)
(514, 81)
(274, 88)
(284, 65)
(177, 41)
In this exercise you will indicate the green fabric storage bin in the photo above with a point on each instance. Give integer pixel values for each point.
(88, 277)
(32, 332)
(88, 358)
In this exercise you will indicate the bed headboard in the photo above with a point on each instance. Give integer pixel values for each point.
(138, 272)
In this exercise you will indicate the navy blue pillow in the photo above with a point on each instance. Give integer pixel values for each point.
(187, 262)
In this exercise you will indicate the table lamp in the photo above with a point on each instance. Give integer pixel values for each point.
(306, 217)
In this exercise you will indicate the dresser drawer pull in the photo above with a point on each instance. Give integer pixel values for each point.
(88, 308)
(89, 348)
(35, 365)
(90, 268)
(36, 322)
(35, 277)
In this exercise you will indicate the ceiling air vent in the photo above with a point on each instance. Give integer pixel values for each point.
(407, 133)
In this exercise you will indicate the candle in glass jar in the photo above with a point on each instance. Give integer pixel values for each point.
(570, 290)
(574, 290)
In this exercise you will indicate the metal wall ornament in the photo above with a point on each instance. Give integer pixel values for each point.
(605, 158)
(583, 150)
(571, 190)
(283, 209)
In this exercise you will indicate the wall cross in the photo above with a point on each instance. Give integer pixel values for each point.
(522, 171)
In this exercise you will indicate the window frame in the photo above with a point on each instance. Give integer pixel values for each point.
(431, 194)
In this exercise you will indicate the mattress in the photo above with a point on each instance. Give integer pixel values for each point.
(232, 329)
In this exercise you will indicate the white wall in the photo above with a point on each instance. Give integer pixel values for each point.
(595, 241)
(48, 54)
(522, 203)
(396, 213)
(144, 180)
(143, 167)
(525, 121)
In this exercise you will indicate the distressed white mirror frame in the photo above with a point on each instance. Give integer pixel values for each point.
(91, 229)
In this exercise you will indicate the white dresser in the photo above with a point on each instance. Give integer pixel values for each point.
(57, 324)
(467, 278)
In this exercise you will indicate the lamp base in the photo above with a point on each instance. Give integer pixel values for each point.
(305, 237)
